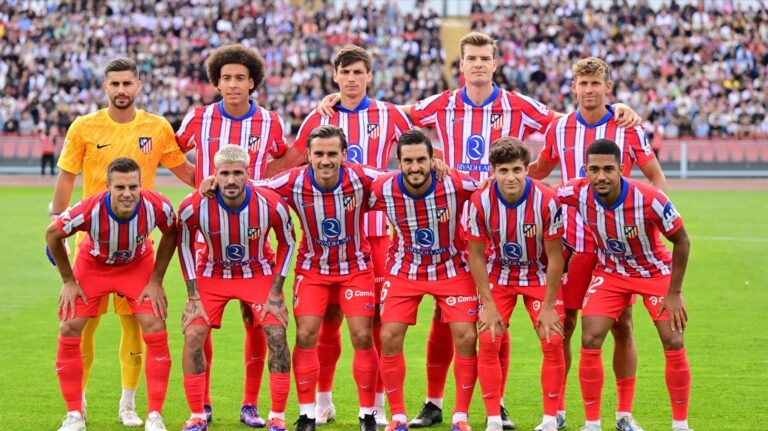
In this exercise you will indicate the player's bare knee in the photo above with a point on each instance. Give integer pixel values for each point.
(391, 340)
(194, 337)
(592, 340)
(306, 337)
(71, 328)
(150, 323)
(622, 330)
(672, 341)
(465, 341)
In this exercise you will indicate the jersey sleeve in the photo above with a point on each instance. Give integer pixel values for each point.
(549, 153)
(568, 193)
(664, 214)
(188, 227)
(279, 184)
(278, 143)
(476, 228)
(282, 224)
(639, 147)
(73, 153)
(185, 136)
(375, 203)
(424, 113)
(76, 218)
(400, 120)
(536, 116)
(172, 155)
(465, 185)
(309, 124)
(552, 216)
(165, 216)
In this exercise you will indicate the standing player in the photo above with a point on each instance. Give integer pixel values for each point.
(567, 140)
(236, 72)
(115, 256)
(428, 256)
(627, 216)
(372, 129)
(522, 221)
(334, 266)
(93, 141)
(236, 263)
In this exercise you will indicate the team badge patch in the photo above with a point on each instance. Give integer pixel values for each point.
(529, 230)
(373, 131)
(496, 121)
(254, 232)
(253, 143)
(145, 144)
(350, 202)
(443, 214)
(630, 231)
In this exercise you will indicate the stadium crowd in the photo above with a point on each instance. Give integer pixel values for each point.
(689, 71)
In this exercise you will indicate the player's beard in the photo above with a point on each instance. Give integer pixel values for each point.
(124, 103)
(227, 189)
(424, 175)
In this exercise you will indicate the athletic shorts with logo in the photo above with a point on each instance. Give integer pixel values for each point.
(215, 293)
(505, 298)
(577, 275)
(609, 294)
(312, 292)
(456, 297)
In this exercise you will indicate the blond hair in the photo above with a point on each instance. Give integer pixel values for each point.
(477, 39)
(591, 66)
(231, 154)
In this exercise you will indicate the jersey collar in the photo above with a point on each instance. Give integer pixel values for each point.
(311, 174)
(364, 104)
(600, 122)
(248, 114)
(425, 194)
(619, 201)
(490, 99)
(112, 215)
(242, 206)
(512, 205)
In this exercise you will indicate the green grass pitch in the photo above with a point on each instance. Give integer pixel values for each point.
(727, 339)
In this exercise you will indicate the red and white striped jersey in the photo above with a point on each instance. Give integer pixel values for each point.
(208, 128)
(567, 140)
(516, 232)
(466, 131)
(113, 241)
(627, 232)
(333, 241)
(236, 242)
(372, 130)
(429, 241)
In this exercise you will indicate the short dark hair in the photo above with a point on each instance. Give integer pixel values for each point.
(605, 147)
(414, 137)
(507, 150)
(236, 54)
(124, 165)
(350, 55)
(121, 64)
(327, 131)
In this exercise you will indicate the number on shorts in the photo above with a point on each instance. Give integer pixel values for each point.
(596, 281)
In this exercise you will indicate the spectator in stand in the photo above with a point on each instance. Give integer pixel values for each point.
(48, 146)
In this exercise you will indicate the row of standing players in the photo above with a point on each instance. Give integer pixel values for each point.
(466, 120)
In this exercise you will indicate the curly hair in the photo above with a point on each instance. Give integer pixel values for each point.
(236, 54)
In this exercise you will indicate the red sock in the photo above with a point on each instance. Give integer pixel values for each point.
(591, 379)
(157, 369)
(255, 351)
(625, 394)
(504, 361)
(489, 372)
(393, 374)
(328, 353)
(69, 368)
(678, 377)
(552, 373)
(208, 350)
(305, 371)
(365, 369)
(377, 344)
(194, 388)
(279, 387)
(465, 373)
(439, 354)
(561, 403)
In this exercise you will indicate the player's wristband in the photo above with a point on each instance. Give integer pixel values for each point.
(193, 298)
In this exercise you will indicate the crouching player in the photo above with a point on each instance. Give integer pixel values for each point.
(625, 217)
(521, 221)
(237, 263)
(116, 256)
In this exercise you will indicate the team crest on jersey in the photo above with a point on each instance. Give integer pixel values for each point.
(630, 231)
(529, 230)
(373, 131)
(254, 232)
(253, 143)
(145, 144)
(443, 214)
(350, 202)
(496, 121)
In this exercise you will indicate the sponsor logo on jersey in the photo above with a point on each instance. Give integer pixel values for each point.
(475, 147)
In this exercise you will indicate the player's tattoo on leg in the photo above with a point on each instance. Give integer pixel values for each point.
(279, 355)
(198, 361)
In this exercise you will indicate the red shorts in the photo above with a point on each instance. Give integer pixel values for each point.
(456, 298)
(215, 293)
(577, 276)
(505, 298)
(313, 292)
(609, 294)
(379, 248)
(98, 281)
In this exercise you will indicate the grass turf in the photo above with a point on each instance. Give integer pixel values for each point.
(727, 345)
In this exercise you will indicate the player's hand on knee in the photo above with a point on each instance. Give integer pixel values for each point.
(549, 323)
(675, 306)
(275, 305)
(489, 319)
(326, 107)
(192, 311)
(156, 294)
(70, 291)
